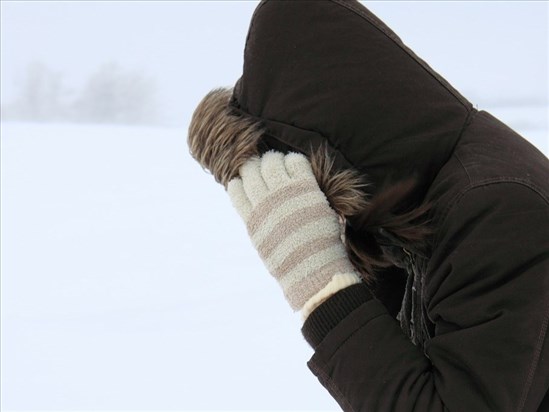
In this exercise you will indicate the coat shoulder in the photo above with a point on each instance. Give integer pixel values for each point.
(487, 153)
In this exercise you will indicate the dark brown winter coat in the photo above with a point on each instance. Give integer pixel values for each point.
(471, 332)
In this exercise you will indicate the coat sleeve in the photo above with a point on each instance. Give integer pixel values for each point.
(487, 292)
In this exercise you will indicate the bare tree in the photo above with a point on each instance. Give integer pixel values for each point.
(111, 95)
(116, 96)
(41, 95)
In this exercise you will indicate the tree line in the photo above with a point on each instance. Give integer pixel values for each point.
(110, 95)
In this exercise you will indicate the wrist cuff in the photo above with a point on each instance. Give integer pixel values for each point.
(332, 311)
(338, 282)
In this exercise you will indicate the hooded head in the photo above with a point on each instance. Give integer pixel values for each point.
(330, 80)
(330, 72)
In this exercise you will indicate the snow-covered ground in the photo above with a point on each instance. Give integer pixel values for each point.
(128, 280)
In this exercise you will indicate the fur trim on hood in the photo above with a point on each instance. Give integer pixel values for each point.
(221, 140)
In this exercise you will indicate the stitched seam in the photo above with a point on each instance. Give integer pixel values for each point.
(404, 48)
(252, 23)
(471, 114)
(330, 382)
(457, 198)
(543, 330)
(535, 360)
(464, 168)
(453, 202)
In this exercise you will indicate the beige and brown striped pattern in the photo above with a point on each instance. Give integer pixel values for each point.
(291, 224)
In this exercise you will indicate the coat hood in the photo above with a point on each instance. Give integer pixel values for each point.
(331, 72)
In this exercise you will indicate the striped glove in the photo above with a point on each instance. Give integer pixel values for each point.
(293, 227)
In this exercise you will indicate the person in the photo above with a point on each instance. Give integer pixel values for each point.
(408, 227)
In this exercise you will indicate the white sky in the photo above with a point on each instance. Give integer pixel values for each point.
(494, 52)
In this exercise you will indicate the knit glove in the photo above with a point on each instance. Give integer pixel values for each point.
(293, 227)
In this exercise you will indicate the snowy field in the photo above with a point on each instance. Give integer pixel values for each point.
(128, 280)
(127, 275)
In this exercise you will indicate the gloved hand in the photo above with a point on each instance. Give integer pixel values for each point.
(293, 227)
